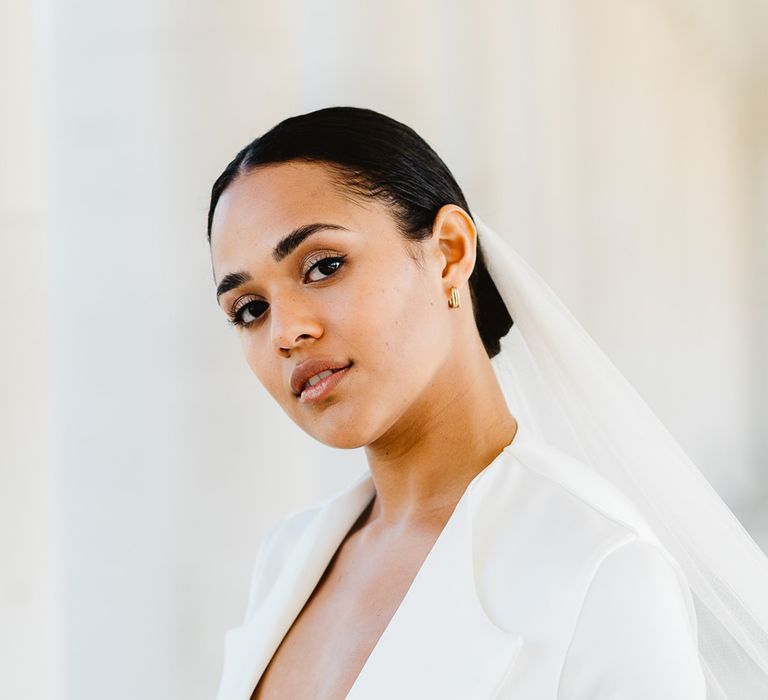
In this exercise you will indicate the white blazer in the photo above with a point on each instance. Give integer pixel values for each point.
(545, 583)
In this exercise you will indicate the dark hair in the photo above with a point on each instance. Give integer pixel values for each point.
(377, 157)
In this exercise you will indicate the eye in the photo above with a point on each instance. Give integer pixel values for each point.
(325, 266)
(249, 312)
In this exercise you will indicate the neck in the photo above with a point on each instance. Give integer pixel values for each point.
(424, 463)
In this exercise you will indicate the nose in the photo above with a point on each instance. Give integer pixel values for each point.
(293, 323)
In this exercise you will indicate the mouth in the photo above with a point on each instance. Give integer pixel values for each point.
(321, 385)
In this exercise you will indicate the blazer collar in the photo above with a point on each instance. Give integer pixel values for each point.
(440, 641)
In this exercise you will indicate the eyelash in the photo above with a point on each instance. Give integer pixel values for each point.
(236, 319)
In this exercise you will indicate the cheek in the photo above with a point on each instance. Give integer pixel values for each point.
(398, 329)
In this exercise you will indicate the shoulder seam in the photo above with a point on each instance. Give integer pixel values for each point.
(609, 516)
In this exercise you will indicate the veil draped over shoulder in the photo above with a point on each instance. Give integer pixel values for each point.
(557, 380)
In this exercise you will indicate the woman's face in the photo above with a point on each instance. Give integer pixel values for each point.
(349, 293)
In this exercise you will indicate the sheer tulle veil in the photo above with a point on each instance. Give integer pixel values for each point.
(558, 381)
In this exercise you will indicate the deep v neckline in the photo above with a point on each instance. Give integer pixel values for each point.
(404, 601)
(463, 567)
(394, 619)
(441, 594)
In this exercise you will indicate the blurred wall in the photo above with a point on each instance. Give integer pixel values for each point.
(622, 147)
(27, 566)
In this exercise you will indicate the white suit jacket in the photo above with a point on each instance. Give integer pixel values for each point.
(545, 583)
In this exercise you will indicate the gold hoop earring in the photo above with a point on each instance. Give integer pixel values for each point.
(454, 302)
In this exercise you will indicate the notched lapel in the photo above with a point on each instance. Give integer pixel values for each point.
(249, 648)
(441, 643)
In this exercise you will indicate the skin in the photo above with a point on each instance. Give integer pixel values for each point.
(421, 398)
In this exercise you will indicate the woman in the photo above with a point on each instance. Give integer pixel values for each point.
(504, 542)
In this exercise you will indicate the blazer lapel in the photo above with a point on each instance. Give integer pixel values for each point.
(440, 641)
(249, 648)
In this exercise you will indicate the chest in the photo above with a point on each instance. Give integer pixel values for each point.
(329, 642)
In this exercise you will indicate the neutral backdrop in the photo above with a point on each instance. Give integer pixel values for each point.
(621, 146)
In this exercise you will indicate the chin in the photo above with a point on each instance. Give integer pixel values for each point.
(343, 443)
(340, 437)
(341, 432)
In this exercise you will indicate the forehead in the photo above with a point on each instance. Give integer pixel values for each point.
(259, 208)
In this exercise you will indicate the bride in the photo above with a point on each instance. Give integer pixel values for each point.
(513, 536)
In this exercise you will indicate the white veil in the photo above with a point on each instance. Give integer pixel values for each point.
(558, 381)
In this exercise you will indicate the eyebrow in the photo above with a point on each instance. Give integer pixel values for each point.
(281, 251)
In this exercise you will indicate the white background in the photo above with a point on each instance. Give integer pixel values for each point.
(621, 146)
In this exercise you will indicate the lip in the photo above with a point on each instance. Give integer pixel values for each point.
(324, 388)
(304, 370)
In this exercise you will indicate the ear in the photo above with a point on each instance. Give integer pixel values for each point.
(456, 237)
